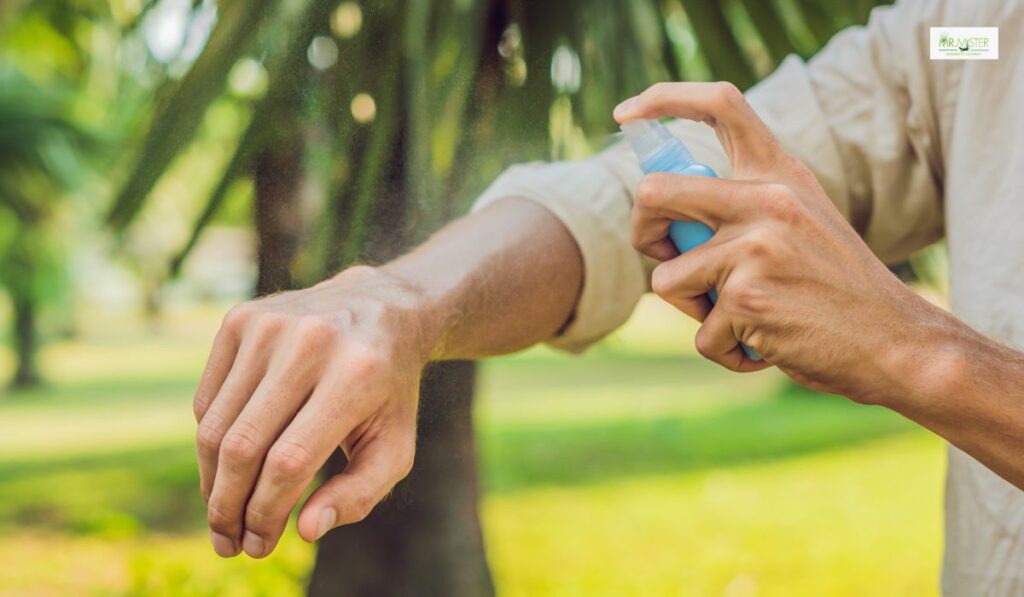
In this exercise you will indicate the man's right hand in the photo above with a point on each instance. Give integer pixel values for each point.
(292, 377)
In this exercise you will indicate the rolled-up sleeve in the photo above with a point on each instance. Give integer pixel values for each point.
(593, 199)
(594, 206)
(864, 115)
(860, 123)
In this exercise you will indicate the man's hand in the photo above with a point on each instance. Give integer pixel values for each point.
(795, 282)
(292, 377)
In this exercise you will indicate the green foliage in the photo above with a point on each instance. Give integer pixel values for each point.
(449, 112)
(461, 88)
(726, 437)
(38, 162)
(37, 145)
(182, 104)
(931, 267)
(32, 260)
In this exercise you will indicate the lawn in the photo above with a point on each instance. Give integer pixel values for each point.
(639, 469)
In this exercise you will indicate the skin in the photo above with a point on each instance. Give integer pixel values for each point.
(798, 285)
(293, 376)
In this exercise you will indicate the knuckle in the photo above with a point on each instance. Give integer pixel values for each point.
(781, 203)
(362, 505)
(290, 461)
(755, 340)
(238, 316)
(728, 94)
(802, 173)
(219, 520)
(313, 330)
(757, 245)
(366, 362)
(259, 521)
(661, 280)
(702, 343)
(265, 328)
(241, 444)
(747, 298)
(651, 191)
(209, 435)
(200, 404)
(635, 240)
(656, 92)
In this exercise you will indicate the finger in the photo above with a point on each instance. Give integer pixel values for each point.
(246, 373)
(662, 199)
(292, 463)
(684, 282)
(373, 470)
(751, 146)
(716, 340)
(222, 356)
(247, 442)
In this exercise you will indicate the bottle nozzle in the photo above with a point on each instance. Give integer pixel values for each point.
(648, 137)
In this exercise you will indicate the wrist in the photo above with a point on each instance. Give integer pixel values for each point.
(439, 304)
(409, 313)
(927, 362)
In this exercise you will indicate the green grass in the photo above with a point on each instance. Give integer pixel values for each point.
(638, 469)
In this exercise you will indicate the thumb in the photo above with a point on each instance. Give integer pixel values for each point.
(752, 148)
(348, 497)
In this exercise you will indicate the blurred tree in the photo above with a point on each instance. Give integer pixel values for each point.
(37, 163)
(381, 118)
(54, 81)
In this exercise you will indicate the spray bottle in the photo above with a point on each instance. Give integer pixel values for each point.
(660, 151)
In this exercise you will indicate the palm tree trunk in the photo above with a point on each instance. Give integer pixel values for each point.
(26, 374)
(425, 538)
(277, 213)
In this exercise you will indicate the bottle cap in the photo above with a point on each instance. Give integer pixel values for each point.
(649, 137)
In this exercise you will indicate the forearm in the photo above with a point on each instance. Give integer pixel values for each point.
(970, 390)
(494, 282)
(294, 375)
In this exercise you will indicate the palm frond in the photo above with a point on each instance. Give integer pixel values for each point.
(176, 118)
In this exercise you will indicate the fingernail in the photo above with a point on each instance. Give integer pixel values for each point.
(624, 106)
(325, 522)
(253, 544)
(224, 547)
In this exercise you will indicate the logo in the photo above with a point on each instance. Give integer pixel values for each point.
(964, 43)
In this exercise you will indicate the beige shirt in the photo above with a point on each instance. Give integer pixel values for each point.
(909, 149)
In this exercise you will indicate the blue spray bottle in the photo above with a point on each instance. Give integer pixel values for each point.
(660, 151)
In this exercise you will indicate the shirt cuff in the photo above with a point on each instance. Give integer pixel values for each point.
(595, 207)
